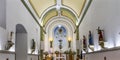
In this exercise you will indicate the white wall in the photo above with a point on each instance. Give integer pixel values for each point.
(2, 13)
(16, 13)
(3, 38)
(11, 56)
(32, 57)
(4, 56)
(110, 55)
(106, 14)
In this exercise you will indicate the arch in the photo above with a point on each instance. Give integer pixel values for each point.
(21, 43)
(60, 35)
(70, 10)
(55, 21)
(61, 18)
(64, 21)
(20, 29)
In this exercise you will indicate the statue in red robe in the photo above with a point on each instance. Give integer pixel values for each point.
(101, 39)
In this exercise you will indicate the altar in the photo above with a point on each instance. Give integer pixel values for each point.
(63, 57)
(60, 58)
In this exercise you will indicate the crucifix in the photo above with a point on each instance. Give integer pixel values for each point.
(60, 46)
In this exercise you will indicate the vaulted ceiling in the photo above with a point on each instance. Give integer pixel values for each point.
(40, 5)
(76, 5)
(69, 8)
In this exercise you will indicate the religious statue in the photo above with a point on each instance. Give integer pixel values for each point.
(91, 43)
(84, 43)
(9, 45)
(9, 42)
(33, 46)
(101, 39)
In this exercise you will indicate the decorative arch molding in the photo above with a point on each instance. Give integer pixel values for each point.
(68, 27)
(55, 21)
(54, 7)
(45, 12)
(70, 9)
(60, 18)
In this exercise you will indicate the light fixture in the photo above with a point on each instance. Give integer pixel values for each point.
(69, 42)
(51, 41)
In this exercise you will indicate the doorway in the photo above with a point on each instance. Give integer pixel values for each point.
(21, 43)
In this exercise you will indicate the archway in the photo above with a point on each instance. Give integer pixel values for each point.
(21, 43)
(60, 33)
(63, 21)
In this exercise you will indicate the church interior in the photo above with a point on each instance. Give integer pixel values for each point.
(59, 29)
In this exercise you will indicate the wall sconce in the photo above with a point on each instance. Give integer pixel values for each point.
(51, 41)
(69, 42)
